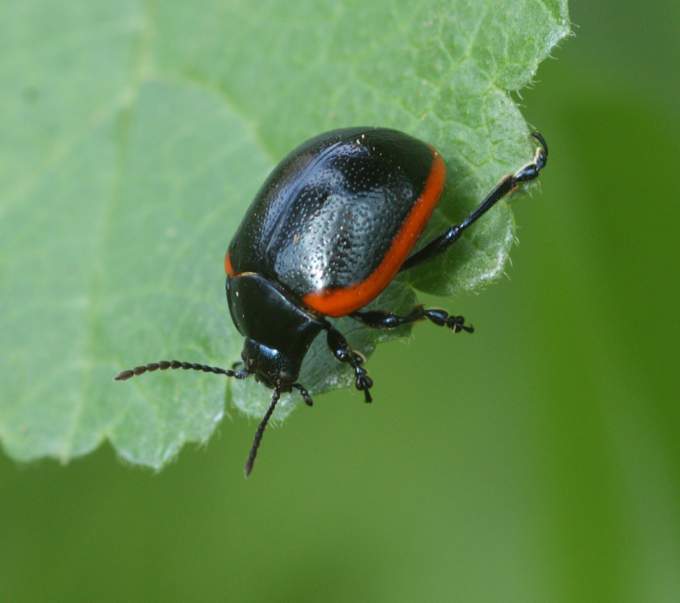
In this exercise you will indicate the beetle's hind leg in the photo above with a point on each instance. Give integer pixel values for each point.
(507, 185)
(344, 353)
(386, 320)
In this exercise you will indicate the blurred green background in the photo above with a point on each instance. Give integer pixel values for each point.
(537, 460)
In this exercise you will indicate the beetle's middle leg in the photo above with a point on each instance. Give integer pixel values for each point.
(344, 353)
(386, 320)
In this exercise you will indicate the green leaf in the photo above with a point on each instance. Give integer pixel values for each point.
(134, 135)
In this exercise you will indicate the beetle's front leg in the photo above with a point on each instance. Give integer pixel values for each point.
(341, 350)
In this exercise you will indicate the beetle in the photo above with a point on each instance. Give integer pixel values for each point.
(329, 230)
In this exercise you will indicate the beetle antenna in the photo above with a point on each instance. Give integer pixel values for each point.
(260, 431)
(164, 365)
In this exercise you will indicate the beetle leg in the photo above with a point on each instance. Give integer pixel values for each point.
(304, 393)
(341, 350)
(526, 173)
(386, 320)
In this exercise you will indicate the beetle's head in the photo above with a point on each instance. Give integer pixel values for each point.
(273, 368)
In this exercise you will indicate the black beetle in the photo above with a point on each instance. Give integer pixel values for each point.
(330, 228)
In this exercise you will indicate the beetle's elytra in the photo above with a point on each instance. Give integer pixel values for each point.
(330, 228)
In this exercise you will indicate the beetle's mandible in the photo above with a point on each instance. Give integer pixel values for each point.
(330, 228)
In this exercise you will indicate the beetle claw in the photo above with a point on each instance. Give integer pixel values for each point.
(457, 324)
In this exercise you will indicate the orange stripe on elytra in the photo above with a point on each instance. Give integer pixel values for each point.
(228, 268)
(343, 301)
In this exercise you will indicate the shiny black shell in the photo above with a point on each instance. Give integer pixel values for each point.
(329, 212)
